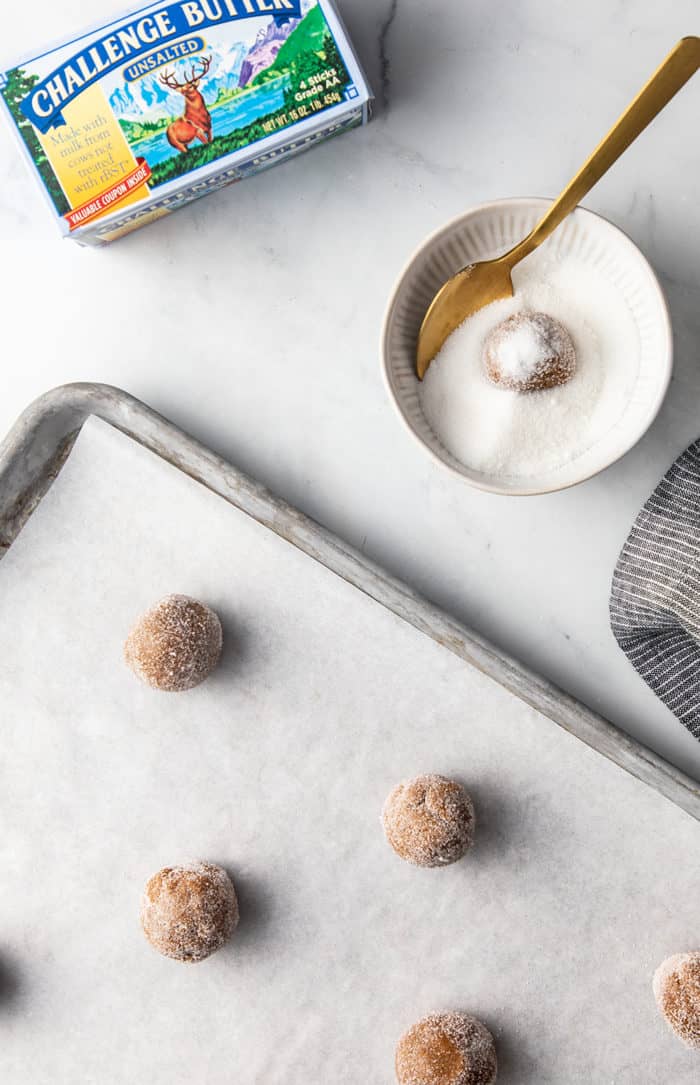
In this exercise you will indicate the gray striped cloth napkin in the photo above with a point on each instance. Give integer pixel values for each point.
(655, 601)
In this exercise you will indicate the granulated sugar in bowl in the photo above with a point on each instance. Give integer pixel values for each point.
(592, 280)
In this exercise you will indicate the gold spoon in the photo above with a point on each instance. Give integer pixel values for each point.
(479, 284)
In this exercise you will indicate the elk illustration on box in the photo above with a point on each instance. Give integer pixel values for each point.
(196, 122)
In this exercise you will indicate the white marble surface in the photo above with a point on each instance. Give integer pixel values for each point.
(252, 318)
(580, 882)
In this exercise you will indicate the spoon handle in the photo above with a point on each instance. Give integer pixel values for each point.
(666, 81)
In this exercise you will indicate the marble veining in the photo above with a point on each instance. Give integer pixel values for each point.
(384, 59)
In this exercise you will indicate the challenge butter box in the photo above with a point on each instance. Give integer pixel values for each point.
(133, 120)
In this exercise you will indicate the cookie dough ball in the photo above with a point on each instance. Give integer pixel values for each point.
(677, 992)
(447, 1049)
(190, 911)
(529, 352)
(429, 821)
(175, 645)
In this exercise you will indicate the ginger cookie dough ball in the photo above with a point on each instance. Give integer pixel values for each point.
(677, 992)
(175, 645)
(429, 821)
(189, 911)
(529, 352)
(447, 1049)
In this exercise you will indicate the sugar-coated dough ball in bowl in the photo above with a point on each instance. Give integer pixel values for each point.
(677, 992)
(447, 1049)
(189, 911)
(529, 352)
(175, 645)
(429, 821)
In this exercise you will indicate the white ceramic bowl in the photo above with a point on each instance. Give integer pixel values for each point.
(487, 231)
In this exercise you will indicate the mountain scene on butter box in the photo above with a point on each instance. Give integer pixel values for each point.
(148, 99)
(291, 71)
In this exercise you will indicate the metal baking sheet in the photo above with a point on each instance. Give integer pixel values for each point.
(581, 881)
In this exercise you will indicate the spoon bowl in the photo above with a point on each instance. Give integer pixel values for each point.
(464, 294)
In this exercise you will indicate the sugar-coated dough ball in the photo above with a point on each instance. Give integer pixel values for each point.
(529, 352)
(189, 911)
(447, 1049)
(677, 992)
(175, 645)
(429, 821)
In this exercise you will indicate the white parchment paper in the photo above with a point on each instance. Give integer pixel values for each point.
(581, 881)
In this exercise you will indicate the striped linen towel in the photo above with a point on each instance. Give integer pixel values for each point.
(655, 601)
